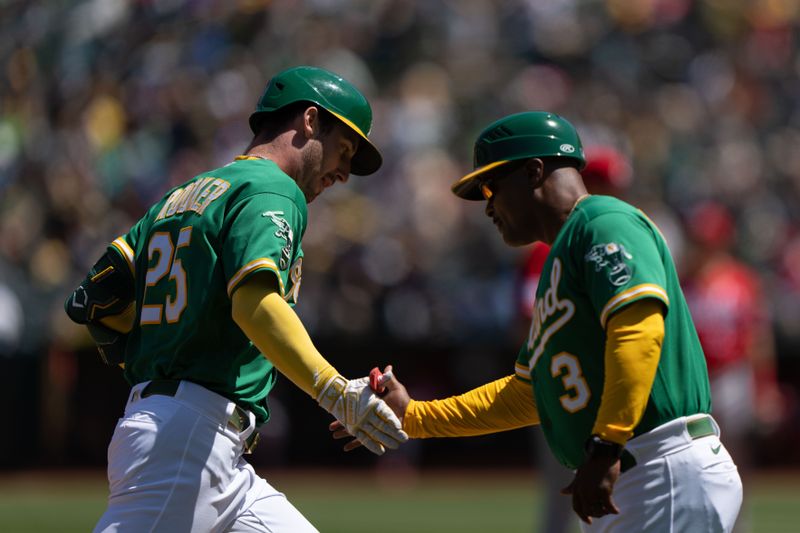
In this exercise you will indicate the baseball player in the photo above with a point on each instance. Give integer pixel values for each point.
(196, 302)
(606, 172)
(612, 368)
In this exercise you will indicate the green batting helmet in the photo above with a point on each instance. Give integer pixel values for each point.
(515, 137)
(331, 92)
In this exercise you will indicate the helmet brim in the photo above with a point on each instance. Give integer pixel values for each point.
(468, 187)
(367, 159)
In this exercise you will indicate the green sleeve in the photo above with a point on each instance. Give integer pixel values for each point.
(620, 262)
(263, 233)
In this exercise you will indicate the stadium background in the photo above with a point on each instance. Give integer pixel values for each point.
(105, 104)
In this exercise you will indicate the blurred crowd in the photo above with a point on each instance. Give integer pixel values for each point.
(106, 104)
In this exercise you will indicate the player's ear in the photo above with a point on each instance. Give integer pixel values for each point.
(310, 122)
(534, 169)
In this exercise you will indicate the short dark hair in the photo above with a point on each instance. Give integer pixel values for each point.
(273, 122)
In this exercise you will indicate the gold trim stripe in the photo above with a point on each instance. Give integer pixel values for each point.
(349, 123)
(522, 371)
(634, 292)
(126, 251)
(256, 264)
(102, 274)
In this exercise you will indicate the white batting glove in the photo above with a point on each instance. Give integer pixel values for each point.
(364, 415)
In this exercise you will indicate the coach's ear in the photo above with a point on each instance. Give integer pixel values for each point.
(534, 169)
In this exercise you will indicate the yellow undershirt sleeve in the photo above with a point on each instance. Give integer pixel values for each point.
(497, 406)
(275, 329)
(122, 323)
(633, 348)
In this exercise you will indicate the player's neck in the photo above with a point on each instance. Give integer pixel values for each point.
(280, 151)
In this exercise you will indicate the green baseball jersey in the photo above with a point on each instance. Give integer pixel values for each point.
(188, 254)
(607, 255)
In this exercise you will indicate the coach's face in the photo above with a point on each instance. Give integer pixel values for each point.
(511, 205)
(326, 158)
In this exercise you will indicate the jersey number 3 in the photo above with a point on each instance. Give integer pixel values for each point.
(578, 394)
(165, 253)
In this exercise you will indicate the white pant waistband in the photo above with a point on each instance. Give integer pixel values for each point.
(201, 399)
(667, 438)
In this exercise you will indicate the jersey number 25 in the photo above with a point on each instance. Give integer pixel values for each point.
(161, 246)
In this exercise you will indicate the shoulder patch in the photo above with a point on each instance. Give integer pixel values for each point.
(612, 258)
(284, 232)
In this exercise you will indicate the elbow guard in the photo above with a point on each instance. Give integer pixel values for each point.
(107, 290)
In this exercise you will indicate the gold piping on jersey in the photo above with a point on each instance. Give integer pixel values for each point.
(522, 372)
(127, 252)
(626, 296)
(256, 264)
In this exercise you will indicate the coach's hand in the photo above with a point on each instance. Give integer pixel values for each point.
(362, 414)
(395, 396)
(592, 487)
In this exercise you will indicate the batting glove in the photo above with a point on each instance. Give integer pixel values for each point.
(363, 414)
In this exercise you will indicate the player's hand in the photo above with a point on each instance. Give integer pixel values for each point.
(362, 414)
(592, 487)
(390, 390)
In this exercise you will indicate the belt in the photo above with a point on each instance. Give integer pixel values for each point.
(697, 428)
(239, 419)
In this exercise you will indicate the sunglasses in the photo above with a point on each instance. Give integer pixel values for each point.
(487, 184)
(486, 190)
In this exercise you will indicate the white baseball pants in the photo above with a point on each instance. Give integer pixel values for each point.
(175, 465)
(679, 485)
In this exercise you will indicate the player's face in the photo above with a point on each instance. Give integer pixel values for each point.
(327, 160)
(509, 203)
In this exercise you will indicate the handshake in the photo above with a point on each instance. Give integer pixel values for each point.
(362, 414)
